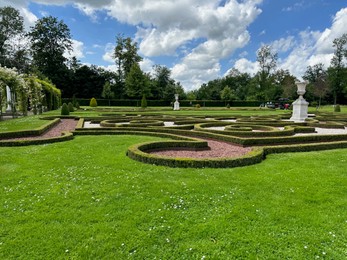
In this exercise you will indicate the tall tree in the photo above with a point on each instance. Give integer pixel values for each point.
(161, 81)
(125, 55)
(49, 39)
(137, 82)
(337, 71)
(317, 77)
(12, 51)
(267, 60)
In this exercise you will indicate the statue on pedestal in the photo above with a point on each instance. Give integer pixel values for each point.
(300, 106)
(176, 104)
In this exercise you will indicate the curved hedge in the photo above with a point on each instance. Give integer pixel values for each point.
(65, 137)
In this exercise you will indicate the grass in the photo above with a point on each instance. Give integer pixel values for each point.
(23, 123)
(84, 199)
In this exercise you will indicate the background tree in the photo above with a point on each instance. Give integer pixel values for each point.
(337, 70)
(318, 79)
(49, 39)
(12, 51)
(107, 92)
(161, 82)
(267, 61)
(125, 55)
(227, 94)
(137, 82)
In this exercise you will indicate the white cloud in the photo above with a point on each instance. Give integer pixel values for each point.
(108, 55)
(77, 50)
(245, 65)
(146, 65)
(307, 49)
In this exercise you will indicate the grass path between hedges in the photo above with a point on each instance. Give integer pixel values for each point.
(84, 199)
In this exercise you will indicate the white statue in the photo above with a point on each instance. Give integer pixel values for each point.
(300, 106)
(9, 99)
(176, 104)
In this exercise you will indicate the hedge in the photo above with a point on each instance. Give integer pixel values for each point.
(33, 132)
(65, 137)
(137, 152)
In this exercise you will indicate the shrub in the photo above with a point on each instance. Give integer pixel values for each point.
(228, 105)
(70, 106)
(143, 102)
(77, 105)
(197, 106)
(93, 103)
(65, 110)
(337, 108)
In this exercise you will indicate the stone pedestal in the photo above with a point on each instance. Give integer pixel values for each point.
(300, 106)
(176, 104)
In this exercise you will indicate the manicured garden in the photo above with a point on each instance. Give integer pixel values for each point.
(85, 199)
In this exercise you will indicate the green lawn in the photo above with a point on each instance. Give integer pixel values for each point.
(84, 199)
(23, 123)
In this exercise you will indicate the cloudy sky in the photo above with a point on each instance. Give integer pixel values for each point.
(199, 40)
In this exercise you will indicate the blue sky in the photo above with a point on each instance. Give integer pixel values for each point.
(199, 40)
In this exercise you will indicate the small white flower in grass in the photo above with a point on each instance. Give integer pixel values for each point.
(167, 240)
(305, 247)
(324, 253)
(67, 251)
(203, 257)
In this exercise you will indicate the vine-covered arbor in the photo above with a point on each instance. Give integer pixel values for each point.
(20, 93)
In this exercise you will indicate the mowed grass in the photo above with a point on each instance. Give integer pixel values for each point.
(85, 199)
(22, 123)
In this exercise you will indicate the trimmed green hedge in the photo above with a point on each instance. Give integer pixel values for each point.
(66, 136)
(137, 152)
(33, 132)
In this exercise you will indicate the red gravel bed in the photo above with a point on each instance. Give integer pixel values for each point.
(217, 149)
(55, 131)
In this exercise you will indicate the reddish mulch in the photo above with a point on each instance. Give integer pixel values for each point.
(217, 149)
(55, 131)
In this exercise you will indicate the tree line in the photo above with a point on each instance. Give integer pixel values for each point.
(40, 51)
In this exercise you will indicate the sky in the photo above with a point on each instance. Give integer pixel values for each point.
(198, 40)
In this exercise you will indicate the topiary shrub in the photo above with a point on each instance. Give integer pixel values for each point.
(337, 108)
(143, 102)
(65, 110)
(197, 106)
(93, 103)
(70, 106)
(228, 105)
(77, 105)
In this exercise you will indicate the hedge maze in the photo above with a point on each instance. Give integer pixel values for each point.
(265, 135)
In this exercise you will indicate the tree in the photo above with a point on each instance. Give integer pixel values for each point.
(13, 53)
(137, 83)
(49, 39)
(107, 92)
(267, 62)
(227, 94)
(317, 77)
(161, 81)
(125, 55)
(337, 71)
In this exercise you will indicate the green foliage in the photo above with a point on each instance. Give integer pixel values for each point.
(228, 105)
(136, 83)
(11, 25)
(93, 103)
(71, 107)
(65, 110)
(337, 108)
(197, 106)
(77, 105)
(49, 40)
(144, 102)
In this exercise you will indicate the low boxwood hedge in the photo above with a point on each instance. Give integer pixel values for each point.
(65, 137)
(33, 132)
